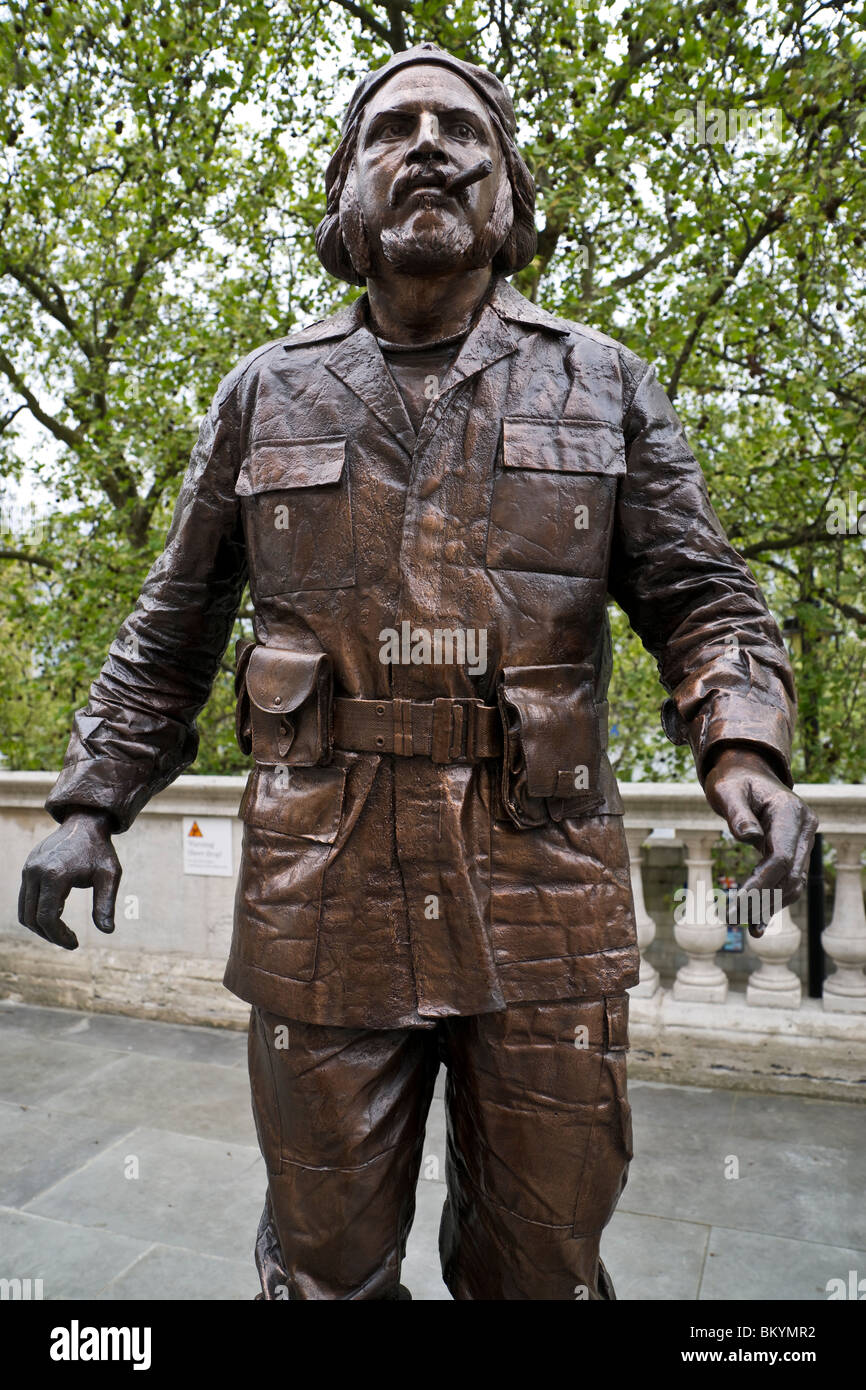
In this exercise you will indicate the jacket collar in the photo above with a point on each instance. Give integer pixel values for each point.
(510, 304)
(346, 320)
(505, 301)
(358, 362)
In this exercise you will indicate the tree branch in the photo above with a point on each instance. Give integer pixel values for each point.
(367, 18)
(52, 302)
(27, 558)
(769, 224)
(60, 431)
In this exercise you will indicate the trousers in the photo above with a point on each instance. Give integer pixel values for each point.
(538, 1145)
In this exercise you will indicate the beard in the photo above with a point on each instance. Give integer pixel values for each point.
(444, 243)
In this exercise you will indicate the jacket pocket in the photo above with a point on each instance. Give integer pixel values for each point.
(304, 802)
(292, 818)
(551, 766)
(298, 515)
(552, 502)
(284, 706)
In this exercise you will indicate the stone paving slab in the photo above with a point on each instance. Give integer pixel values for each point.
(165, 1273)
(38, 1147)
(82, 1096)
(34, 1069)
(746, 1264)
(181, 1042)
(650, 1257)
(204, 1194)
(73, 1261)
(799, 1163)
(197, 1098)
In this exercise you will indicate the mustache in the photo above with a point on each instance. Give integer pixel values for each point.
(434, 176)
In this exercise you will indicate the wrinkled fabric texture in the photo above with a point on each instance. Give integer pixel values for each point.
(538, 1147)
(548, 473)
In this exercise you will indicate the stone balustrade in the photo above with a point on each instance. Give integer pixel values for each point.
(692, 1020)
(700, 929)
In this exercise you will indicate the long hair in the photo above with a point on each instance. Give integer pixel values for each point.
(515, 252)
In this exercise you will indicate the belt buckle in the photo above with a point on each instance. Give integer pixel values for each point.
(404, 744)
(442, 733)
(454, 729)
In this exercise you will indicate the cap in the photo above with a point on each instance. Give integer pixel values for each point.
(488, 87)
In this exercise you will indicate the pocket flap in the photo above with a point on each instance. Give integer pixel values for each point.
(275, 466)
(280, 681)
(563, 446)
(558, 728)
(299, 801)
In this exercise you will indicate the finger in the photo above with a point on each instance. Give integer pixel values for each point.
(731, 802)
(760, 897)
(790, 830)
(28, 900)
(106, 881)
(808, 830)
(51, 900)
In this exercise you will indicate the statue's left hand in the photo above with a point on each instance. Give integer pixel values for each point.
(761, 811)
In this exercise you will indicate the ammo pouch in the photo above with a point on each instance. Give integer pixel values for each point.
(284, 705)
(552, 761)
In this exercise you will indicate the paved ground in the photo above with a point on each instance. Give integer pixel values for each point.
(129, 1169)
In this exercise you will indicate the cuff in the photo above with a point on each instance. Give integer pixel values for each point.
(118, 789)
(731, 718)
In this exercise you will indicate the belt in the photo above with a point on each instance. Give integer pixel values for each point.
(448, 731)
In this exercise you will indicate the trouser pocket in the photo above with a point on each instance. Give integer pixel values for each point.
(609, 1147)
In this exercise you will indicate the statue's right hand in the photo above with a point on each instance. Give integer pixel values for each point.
(79, 854)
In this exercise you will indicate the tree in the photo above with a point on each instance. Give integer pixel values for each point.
(701, 197)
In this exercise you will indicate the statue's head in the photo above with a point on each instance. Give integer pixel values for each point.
(413, 127)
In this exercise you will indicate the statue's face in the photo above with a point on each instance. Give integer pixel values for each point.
(424, 126)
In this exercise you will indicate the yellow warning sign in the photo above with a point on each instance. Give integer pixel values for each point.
(194, 831)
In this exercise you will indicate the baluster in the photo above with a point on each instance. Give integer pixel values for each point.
(646, 927)
(774, 984)
(699, 928)
(845, 938)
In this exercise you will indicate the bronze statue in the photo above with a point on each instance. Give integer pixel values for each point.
(432, 494)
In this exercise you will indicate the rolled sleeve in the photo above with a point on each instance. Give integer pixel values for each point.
(692, 599)
(138, 729)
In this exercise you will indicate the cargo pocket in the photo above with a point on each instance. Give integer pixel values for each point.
(552, 502)
(292, 818)
(285, 706)
(263, 1085)
(298, 515)
(551, 765)
(609, 1149)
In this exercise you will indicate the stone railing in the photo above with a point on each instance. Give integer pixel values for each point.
(699, 1024)
(700, 931)
(698, 1014)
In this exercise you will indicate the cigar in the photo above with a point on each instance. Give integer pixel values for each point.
(461, 181)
